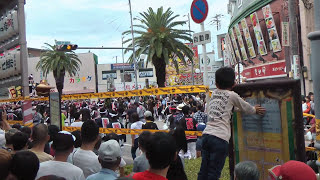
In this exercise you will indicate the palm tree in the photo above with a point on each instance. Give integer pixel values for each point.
(159, 37)
(59, 63)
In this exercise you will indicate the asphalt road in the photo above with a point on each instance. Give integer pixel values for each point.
(126, 149)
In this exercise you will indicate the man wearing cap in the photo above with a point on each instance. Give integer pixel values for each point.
(179, 113)
(149, 121)
(63, 145)
(292, 170)
(109, 158)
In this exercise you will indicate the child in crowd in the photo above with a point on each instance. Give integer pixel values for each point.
(216, 136)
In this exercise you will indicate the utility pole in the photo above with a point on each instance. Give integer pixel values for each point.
(315, 64)
(294, 55)
(216, 20)
(123, 71)
(134, 51)
(23, 48)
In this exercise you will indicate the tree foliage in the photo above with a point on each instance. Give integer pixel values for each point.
(158, 35)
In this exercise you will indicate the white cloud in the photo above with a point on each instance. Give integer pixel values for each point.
(143, 5)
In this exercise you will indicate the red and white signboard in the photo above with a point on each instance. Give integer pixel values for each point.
(265, 71)
(27, 111)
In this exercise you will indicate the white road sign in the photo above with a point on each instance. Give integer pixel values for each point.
(202, 38)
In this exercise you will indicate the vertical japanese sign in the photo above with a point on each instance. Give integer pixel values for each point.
(9, 25)
(252, 52)
(55, 106)
(12, 92)
(285, 34)
(240, 40)
(235, 45)
(272, 30)
(274, 138)
(233, 60)
(258, 33)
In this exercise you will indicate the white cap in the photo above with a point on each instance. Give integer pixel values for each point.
(180, 106)
(68, 133)
(109, 151)
(148, 114)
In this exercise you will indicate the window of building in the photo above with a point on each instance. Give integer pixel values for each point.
(239, 2)
(143, 73)
(109, 74)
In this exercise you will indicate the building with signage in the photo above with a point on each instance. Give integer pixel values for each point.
(212, 67)
(259, 40)
(11, 34)
(112, 76)
(84, 82)
(255, 38)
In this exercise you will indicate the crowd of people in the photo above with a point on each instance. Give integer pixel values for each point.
(45, 152)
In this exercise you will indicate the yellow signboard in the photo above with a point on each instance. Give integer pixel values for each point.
(271, 139)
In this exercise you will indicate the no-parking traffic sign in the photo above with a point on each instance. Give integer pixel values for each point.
(199, 10)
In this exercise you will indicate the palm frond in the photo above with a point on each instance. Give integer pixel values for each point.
(159, 35)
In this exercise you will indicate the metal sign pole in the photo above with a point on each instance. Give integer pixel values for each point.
(191, 46)
(205, 60)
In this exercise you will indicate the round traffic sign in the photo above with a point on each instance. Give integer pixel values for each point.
(199, 10)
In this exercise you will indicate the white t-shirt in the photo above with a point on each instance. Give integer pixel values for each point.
(304, 107)
(220, 111)
(137, 125)
(87, 161)
(61, 169)
(76, 124)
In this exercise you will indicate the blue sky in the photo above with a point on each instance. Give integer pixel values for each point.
(101, 22)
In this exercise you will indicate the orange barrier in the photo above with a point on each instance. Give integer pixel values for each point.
(19, 122)
(130, 131)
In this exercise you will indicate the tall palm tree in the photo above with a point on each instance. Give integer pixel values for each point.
(59, 63)
(159, 36)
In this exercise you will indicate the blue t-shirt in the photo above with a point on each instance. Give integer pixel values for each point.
(103, 174)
